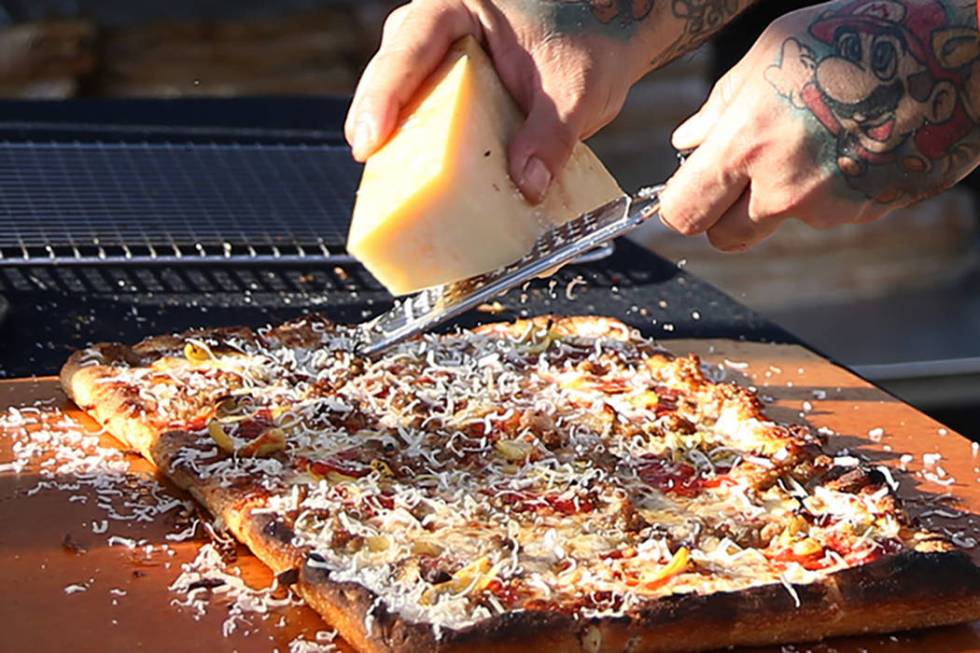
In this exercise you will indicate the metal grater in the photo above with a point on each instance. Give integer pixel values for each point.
(556, 247)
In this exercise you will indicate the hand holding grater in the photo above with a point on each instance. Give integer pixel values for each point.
(556, 247)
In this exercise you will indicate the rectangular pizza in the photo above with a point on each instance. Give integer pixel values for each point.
(546, 484)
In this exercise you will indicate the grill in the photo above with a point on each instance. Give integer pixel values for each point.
(111, 203)
(128, 219)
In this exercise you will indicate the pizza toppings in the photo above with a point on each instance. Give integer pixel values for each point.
(197, 352)
(548, 465)
(253, 437)
(670, 477)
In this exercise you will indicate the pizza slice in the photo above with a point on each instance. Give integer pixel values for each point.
(556, 482)
(184, 381)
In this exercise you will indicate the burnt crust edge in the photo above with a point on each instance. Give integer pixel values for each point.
(908, 590)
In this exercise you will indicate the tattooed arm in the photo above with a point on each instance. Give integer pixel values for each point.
(839, 113)
(568, 64)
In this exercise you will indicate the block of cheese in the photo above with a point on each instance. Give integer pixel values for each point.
(436, 203)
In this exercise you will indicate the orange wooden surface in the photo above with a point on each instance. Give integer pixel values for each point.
(38, 616)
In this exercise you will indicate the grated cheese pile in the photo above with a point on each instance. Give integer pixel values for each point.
(67, 457)
(207, 577)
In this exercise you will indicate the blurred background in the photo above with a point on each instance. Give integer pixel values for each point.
(897, 300)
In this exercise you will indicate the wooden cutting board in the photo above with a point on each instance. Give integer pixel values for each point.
(126, 605)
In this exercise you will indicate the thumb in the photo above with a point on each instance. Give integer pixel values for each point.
(692, 132)
(541, 147)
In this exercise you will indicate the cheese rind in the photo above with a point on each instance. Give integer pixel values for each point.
(436, 203)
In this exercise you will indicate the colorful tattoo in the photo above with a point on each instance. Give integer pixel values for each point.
(622, 11)
(896, 86)
(617, 18)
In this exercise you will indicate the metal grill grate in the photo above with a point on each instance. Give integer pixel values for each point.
(140, 282)
(165, 202)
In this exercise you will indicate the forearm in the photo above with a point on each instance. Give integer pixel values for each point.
(658, 31)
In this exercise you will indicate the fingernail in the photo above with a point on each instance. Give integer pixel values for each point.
(669, 226)
(685, 133)
(660, 213)
(535, 180)
(363, 137)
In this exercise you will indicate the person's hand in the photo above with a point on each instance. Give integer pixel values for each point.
(569, 81)
(838, 114)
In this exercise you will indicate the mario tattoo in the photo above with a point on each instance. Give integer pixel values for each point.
(890, 85)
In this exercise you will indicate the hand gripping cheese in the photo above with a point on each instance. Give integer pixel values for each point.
(436, 203)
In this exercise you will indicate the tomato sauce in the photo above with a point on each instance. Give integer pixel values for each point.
(525, 500)
(677, 478)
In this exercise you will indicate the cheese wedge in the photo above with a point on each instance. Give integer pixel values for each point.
(436, 203)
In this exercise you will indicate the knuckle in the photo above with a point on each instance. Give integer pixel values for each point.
(749, 154)
(726, 87)
(394, 21)
(777, 29)
(386, 60)
(444, 16)
(572, 99)
(410, 28)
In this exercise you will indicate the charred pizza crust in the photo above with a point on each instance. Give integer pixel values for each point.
(233, 505)
(897, 593)
(930, 584)
(89, 378)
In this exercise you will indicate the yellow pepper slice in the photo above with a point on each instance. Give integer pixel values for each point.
(477, 575)
(377, 543)
(807, 547)
(677, 565)
(221, 438)
(268, 443)
(197, 352)
(426, 548)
